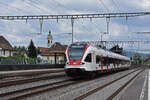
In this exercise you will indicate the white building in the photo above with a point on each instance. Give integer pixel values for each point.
(5, 48)
(55, 54)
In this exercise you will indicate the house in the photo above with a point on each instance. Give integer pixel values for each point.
(148, 59)
(55, 54)
(5, 48)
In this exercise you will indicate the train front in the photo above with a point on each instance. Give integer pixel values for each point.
(75, 65)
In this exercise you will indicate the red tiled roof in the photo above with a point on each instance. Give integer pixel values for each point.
(55, 48)
(4, 44)
(43, 49)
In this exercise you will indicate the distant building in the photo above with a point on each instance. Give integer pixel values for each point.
(49, 39)
(55, 54)
(148, 59)
(5, 48)
(20, 53)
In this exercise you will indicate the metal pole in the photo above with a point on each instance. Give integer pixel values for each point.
(41, 25)
(107, 21)
(101, 37)
(72, 23)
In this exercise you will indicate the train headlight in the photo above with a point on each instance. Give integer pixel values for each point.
(82, 63)
(68, 63)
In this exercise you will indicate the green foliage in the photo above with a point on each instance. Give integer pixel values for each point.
(117, 49)
(137, 59)
(20, 48)
(101, 46)
(38, 51)
(19, 60)
(32, 51)
(124, 53)
(21, 51)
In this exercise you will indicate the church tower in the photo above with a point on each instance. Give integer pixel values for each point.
(49, 39)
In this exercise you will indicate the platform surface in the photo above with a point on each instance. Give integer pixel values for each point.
(139, 89)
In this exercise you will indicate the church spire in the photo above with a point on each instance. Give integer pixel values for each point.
(49, 39)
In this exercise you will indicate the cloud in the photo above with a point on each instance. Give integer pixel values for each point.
(20, 32)
(118, 29)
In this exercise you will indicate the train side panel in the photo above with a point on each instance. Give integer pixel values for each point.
(94, 60)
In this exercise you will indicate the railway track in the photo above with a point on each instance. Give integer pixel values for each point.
(19, 94)
(28, 92)
(23, 93)
(115, 93)
(29, 80)
(26, 73)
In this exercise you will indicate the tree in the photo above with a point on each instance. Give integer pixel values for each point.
(21, 51)
(137, 59)
(32, 51)
(101, 46)
(20, 48)
(117, 49)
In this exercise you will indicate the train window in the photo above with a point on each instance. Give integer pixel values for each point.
(98, 59)
(88, 58)
(105, 61)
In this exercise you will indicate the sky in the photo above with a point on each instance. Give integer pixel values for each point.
(21, 32)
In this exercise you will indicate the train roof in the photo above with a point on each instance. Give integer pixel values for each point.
(106, 53)
(110, 54)
(79, 43)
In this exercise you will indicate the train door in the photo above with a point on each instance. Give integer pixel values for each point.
(93, 57)
(98, 62)
(105, 63)
(93, 60)
(89, 62)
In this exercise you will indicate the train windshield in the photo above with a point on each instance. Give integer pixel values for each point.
(76, 51)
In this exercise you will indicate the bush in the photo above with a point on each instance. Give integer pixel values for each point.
(19, 60)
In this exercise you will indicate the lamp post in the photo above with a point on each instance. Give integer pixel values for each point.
(70, 34)
(102, 35)
(102, 38)
(72, 23)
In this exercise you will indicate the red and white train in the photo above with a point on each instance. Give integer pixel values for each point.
(83, 59)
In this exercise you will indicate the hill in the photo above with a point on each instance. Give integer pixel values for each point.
(131, 54)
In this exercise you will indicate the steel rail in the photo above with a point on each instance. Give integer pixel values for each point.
(101, 87)
(48, 89)
(23, 81)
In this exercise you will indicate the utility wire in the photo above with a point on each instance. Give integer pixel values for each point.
(104, 5)
(8, 5)
(84, 27)
(35, 5)
(54, 2)
(59, 4)
(116, 5)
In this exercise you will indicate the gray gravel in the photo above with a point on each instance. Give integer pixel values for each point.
(28, 85)
(37, 83)
(7, 79)
(109, 90)
(71, 92)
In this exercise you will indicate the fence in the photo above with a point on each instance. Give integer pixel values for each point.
(28, 61)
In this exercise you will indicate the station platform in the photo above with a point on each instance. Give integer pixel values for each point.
(139, 88)
(28, 72)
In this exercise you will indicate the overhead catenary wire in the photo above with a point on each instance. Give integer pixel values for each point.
(8, 5)
(84, 27)
(117, 7)
(101, 7)
(76, 16)
(34, 4)
(60, 4)
(104, 5)
(53, 4)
